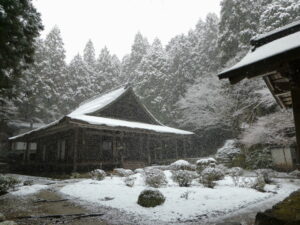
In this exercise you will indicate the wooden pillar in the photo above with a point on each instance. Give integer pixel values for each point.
(296, 110)
(141, 152)
(26, 156)
(148, 150)
(75, 149)
(122, 150)
(114, 148)
(160, 150)
(176, 149)
(184, 148)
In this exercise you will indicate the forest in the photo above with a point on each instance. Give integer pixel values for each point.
(177, 82)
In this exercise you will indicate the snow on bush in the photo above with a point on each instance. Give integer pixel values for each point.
(155, 178)
(122, 172)
(209, 175)
(267, 174)
(235, 171)
(6, 183)
(295, 173)
(28, 182)
(229, 154)
(139, 170)
(98, 174)
(182, 165)
(259, 183)
(151, 198)
(184, 178)
(201, 164)
(129, 181)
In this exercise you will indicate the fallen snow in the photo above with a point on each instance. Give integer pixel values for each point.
(202, 203)
(28, 190)
(206, 161)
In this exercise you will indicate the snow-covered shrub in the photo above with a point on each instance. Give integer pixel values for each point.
(129, 181)
(182, 165)
(75, 175)
(295, 173)
(98, 174)
(209, 175)
(267, 174)
(184, 178)
(201, 164)
(235, 171)
(28, 182)
(122, 172)
(139, 170)
(230, 155)
(155, 178)
(151, 198)
(7, 182)
(259, 158)
(259, 183)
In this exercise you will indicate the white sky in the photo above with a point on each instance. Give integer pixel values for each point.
(114, 23)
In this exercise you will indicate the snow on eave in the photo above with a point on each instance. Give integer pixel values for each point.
(37, 129)
(95, 120)
(276, 31)
(266, 51)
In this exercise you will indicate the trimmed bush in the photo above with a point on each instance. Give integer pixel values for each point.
(98, 174)
(151, 198)
(295, 173)
(155, 178)
(7, 182)
(230, 155)
(201, 164)
(182, 165)
(122, 172)
(139, 170)
(210, 175)
(184, 178)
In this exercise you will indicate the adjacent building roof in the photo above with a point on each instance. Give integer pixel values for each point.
(82, 114)
(272, 56)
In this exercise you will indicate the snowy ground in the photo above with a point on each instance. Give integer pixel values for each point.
(183, 204)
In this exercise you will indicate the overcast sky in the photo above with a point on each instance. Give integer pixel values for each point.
(114, 23)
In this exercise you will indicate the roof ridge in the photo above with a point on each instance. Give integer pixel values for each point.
(100, 95)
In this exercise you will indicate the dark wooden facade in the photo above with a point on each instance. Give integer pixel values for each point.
(281, 70)
(75, 145)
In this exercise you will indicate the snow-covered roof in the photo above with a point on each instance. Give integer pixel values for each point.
(268, 50)
(95, 120)
(99, 102)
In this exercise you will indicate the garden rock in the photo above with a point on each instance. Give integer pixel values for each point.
(151, 198)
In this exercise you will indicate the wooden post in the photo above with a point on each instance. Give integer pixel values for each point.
(148, 150)
(160, 150)
(122, 151)
(296, 110)
(176, 148)
(75, 149)
(184, 148)
(114, 148)
(141, 155)
(26, 156)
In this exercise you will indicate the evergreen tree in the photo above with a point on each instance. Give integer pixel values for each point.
(89, 55)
